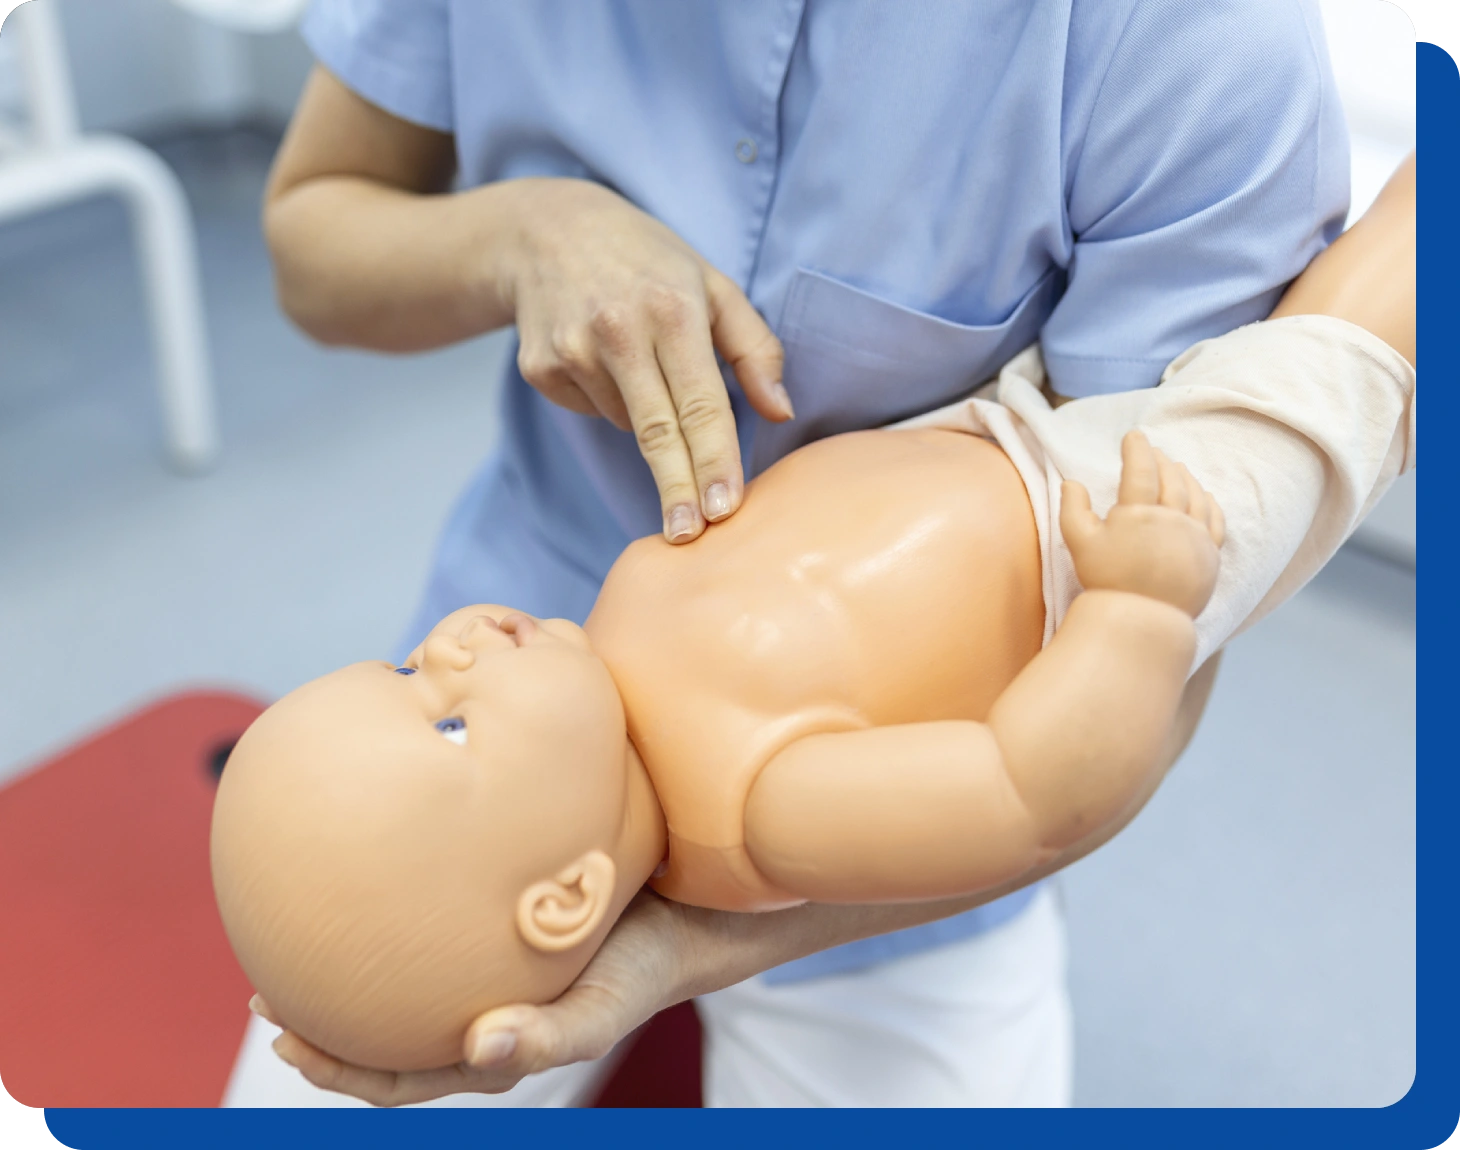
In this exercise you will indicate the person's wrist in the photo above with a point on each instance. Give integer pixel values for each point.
(503, 242)
(519, 222)
(672, 924)
(716, 948)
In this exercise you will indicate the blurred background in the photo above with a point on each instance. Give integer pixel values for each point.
(1248, 941)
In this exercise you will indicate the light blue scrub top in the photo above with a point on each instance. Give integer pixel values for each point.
(909, 192)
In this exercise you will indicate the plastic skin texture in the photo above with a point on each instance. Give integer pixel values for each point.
(836, 695)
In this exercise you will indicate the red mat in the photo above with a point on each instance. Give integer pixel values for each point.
(117, 987)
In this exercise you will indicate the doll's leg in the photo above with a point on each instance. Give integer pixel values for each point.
(984, 1022)
(260, 1079)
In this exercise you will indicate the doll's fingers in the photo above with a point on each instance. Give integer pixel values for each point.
(1216, 522)
(1196, 497)
(1140, 480)
(1077, 521)
(1196, 504)
(1173, 483)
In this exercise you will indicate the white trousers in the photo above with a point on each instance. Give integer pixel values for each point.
(984, 1022)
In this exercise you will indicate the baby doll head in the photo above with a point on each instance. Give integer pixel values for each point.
(398, 849)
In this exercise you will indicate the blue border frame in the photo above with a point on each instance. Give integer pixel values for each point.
(1421, 1119)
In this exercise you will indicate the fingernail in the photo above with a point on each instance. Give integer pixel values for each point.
(785, 397)
(717, 501)
(496, 1046)
(681, 524)
(280, 1046)
(255, 1005)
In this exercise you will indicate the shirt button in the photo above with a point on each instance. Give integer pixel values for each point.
(746, 151)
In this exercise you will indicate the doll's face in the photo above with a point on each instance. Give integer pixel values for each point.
(404, 847)
(499, 695)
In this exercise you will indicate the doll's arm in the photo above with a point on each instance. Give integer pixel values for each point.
(931, 810)
(1297, 426)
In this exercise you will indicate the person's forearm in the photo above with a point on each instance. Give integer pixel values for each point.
(722, 948)
(1367, 276)
(360, 263)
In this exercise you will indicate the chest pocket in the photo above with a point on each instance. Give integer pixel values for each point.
(854, 360)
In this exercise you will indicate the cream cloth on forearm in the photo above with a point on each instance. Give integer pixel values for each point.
(1297, 426)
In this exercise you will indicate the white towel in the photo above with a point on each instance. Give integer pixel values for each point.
(1297, 426)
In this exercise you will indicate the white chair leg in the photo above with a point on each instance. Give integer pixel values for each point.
(46, 73)
(169, 261)
(95, 165)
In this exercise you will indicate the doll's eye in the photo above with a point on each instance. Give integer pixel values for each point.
(405, 670)
(454, 729)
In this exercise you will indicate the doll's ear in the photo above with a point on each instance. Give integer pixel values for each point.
(558, 913)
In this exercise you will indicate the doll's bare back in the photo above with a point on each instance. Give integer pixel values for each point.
(871, 579)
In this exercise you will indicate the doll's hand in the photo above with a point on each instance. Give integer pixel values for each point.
(1159, 540)
(636, 973)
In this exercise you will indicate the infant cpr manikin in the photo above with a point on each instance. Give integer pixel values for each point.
(839, 695)
(847, 692)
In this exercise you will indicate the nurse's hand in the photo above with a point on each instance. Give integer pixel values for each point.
(619, 317)
(638, 971)
(659, 953)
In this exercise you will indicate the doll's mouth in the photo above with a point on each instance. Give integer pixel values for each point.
(517, 628)
(477, 625)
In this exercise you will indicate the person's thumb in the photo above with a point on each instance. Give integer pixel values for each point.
(578, 1027)
(749, 346)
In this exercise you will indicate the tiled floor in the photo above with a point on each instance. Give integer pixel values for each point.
(1248, 941)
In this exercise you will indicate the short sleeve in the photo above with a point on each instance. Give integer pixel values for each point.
(1206, 165)
(394, 53)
